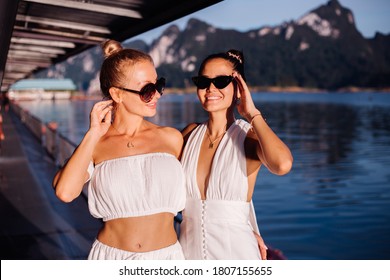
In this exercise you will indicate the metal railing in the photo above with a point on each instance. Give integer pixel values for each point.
(57, 145)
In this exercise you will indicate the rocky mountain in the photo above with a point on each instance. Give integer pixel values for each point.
(322, 49)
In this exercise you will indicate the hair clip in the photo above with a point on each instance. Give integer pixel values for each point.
(236, 56)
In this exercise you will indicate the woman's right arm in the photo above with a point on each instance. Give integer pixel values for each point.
(69, 181)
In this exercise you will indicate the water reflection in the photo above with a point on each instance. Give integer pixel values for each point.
(335, 203)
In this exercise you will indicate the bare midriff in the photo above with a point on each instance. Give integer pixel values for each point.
(139, 234)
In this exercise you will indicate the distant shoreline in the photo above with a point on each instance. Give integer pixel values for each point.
(287, 90)
(255, 89)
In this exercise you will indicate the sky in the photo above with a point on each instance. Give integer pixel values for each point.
(242, 15)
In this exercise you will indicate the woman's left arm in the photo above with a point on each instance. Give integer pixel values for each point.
(272, 151)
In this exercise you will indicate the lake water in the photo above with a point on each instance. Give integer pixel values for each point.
(335, 202)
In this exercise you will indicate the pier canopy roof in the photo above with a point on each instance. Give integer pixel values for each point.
(39, 33)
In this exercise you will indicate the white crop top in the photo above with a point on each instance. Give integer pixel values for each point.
(135, 186)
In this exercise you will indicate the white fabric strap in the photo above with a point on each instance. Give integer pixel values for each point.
(252, 219)
(90, 170)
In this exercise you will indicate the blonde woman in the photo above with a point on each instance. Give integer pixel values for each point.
(136, 182)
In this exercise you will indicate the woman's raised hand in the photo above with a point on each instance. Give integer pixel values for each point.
(100, 117)
(246, 106)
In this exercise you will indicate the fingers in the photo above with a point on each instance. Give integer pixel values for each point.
(107, 114)
(263, 252)
(242, 86)
(262, 247)
(101, 110)
(239, 86)
(102, 104)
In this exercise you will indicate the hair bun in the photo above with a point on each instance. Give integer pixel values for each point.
(111, 47)
(236, 55)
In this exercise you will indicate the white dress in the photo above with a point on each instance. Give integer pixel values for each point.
(220, 227)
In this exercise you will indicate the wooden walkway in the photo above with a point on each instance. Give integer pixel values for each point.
(35, 225)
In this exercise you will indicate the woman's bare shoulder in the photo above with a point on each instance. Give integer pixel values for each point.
(188, 129)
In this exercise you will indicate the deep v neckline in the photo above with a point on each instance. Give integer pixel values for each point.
(216, 153)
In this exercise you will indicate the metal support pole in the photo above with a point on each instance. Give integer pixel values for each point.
(8, 11)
